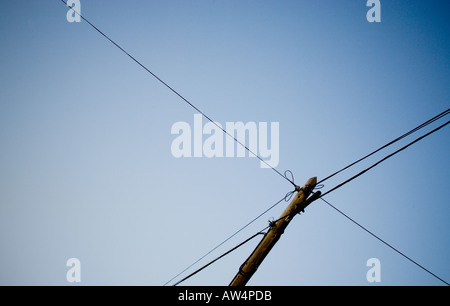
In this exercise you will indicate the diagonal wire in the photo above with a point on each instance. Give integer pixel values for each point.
(364, 171)
(220, 244)
(333, 189)
(279, 173)
(444, 113)
(383, 241)
(286, 198)
(385, 158)
(178, 94)
(223, 255)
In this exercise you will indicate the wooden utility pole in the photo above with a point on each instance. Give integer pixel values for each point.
(277, 228)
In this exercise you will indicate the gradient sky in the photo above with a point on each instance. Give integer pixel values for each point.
(86, 169)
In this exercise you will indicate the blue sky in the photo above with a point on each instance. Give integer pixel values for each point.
(86, 169)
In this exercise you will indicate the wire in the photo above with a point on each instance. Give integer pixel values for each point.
(179, 95)
(271, 224)
(383, 241)
(220, 244)
(279, 173)
(385, 158)
(289, 194)
(367, 169)
(226, 253)
(208, 118)
(444, 113)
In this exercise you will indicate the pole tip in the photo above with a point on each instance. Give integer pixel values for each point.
(312, 181)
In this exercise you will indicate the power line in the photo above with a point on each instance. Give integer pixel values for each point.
(383, 241)
(267, 164)
(223, 255)
(234, 234)
(374, 165)
(178, 94)
(287, 197)
(444, 113)
(333, 189)
(271, 225)
(207, 117)
(385, 158)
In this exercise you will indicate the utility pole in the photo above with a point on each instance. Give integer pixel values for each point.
(277, 227)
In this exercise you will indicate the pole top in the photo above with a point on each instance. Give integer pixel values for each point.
(311, 182)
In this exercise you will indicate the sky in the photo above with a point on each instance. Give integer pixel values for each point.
(87, 170)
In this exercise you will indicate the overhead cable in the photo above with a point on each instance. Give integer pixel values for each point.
(179, 95)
